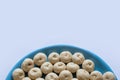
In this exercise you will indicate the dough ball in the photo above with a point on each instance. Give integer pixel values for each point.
(59, 66)
(88, 65)
(78, 58)
(54, 57)
(47, 67)
(65, 75)
(82, 74)
(66, 56)
(51, 76)
(96, 75)
(40, 79)
(18, 74)
(26, 78)
(35, 73)
(108, 76)
(72, 67)
(74, 79)
(39, 59)
(27, 64)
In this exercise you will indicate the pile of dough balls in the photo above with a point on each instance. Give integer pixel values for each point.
(59, 67)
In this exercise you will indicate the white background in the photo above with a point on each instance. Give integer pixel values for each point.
(27, 25)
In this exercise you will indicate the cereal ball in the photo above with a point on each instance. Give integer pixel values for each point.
(27, 64)
(65, 75)
(82, 74)
(108, 76)
(46, 67)
(96, 75)
(66, 56)
(53, 57)
(39, 79)
(59, 66)
(34, 73)
(88, 65)
(74, 79)
(26, 78)
(78, 58)
(18, 74)
(51, 76)
(72, 67)
(39, 59)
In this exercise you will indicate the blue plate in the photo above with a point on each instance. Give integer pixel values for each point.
(100, 65)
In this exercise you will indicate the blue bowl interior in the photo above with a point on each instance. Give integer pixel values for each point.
(100, 65)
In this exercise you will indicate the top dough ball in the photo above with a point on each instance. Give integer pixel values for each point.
(108, 76)
(66, 56)
(78, 58)
(88, 65)
(82, 74)
(53, 57)
(59, 66)
(27, 64)
(35, 73)
(18, 74)
(72, 67)
(51, 76)
(96, 75)
(65, 75)
(39, 59)
(46, 67)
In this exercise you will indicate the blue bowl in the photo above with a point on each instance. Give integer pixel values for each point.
(100, 65)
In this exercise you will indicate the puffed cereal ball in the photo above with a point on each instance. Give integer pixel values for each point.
(88, 65)
(27, 64)
(18, 74)
(39, 79)
(65, 75)
(34, 73)
(96, 75)
(39, 59)
(74, 79)
(108, 76)
(72, 67)
(46, 67)
(59, 66)
(82, 74)
(54, 57)
(66, 56)
(26, 78)
(51, 76)
(78, 58)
